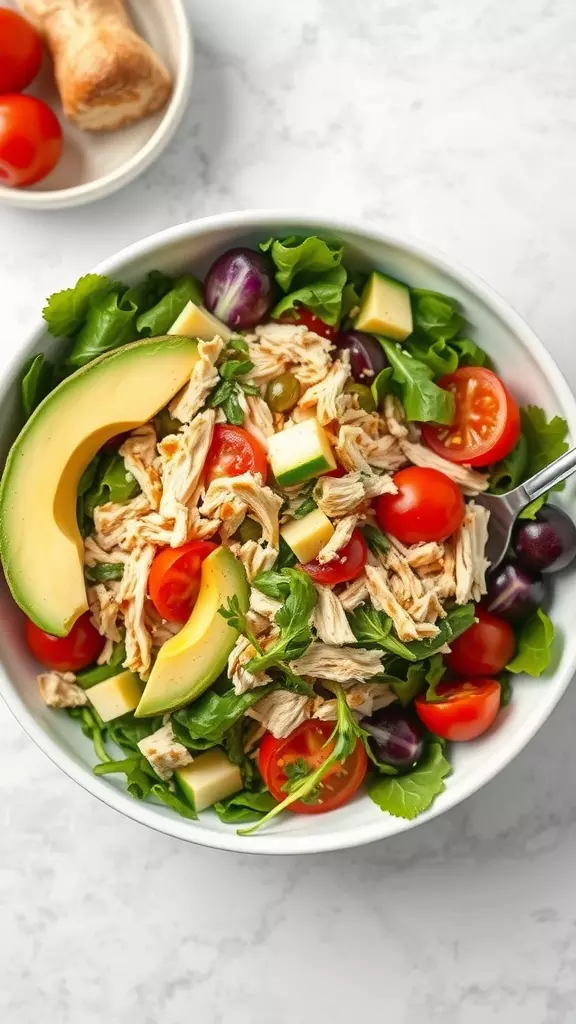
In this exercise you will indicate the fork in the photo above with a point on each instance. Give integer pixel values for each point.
(504, 508)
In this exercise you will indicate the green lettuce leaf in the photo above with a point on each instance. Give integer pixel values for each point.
(248, 805)
(546, 438)
(530, 511)
(511, 471)
(150, 290)
(37, 382)
(110, 322)
(302, 258)
(111, 482)
(127, 731)
(409, 688)
(407, 796)
(93, 728)
(534, 646)
(323, 297)
(66, 311)
(435, 314)
(98, 673)
(422, 399)
(142, 781)
(441, 357)
(160, 317)
(209, 717)
(468, 352)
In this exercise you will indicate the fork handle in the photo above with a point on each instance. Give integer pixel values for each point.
(553, 474)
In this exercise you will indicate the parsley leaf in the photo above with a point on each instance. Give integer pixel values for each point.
(296, 772)
(226, 393)
(293, 618)
(534, 644)
(407, 796)
(422, 399)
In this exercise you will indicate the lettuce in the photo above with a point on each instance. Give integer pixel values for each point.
(546, 438)
(37, 382)
(511, 471)
(248, 805)
(407, 796)
(302, 258)
(534, 646)
(109, 323)
(204, 722)
(66, 311)
(323, 297)
(422, 399)
(435, 314)
(159, 318)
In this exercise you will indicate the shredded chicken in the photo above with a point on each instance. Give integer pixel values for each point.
(445, 582)
(357, 451)
(339, 496)
(260, 500)
(362, 698)
(242, 679)
(255, 557)
(258, 419)
(281, 711)
(354, 594)
(410, 584)
(104, 605)
(426, 608)
(274, 347)
(467, 479)
(329, 618)
(112, 520)
(141, 460)
(339, 539)
(264, 606)
(384, 600)
(60, 690)
(394, 416)
(95, 555)
(132, 597)
(340, 664)
(160, 630)
(204, 377)
(471, 564)
(326, 394)
(182, 458)
(164, 752)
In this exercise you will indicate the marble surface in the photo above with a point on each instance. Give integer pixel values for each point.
(456, 122)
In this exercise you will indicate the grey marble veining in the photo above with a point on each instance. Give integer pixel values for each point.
(455, 122)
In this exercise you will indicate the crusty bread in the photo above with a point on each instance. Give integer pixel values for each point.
(107, 75)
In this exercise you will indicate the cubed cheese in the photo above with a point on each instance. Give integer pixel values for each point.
(308, 536)
(300, 452)
(385, 308)
(115, 696)
(196, 322)
(209, 778)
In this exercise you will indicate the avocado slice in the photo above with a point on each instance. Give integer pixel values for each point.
(40, 544)
(190, 662)
(385, 308)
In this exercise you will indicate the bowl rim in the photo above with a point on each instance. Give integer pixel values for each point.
(79, 195)
(339, 838)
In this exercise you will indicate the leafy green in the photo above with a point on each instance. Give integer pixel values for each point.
(66, 311)
(248, 805)
(226, 393)
(468, 352)
(142, 781)
(434, 675)
(409, 688)
(407, 796)
(323, 297)
(530, 511)
(375, 539)
(302, 258)
(37, 382)
(111, 482)
(104, 571)
(93, 728)
(505, 690)
(97, 673)
(375, 629)
(150, 290)
(127, 731)
(436, 314)
(209, 717)
(307, 506)
(534, 645)
(422, 399)
(380, 386)
(160, 317)
(109, 323)
(346, 734)
(510, 471)
(273, 584)
(286, 557)
(437, 354)
(546, 438)
(293, 618)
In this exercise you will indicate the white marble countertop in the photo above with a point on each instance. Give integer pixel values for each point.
(456, 122)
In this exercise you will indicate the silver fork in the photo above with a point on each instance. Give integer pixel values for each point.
(504, 508)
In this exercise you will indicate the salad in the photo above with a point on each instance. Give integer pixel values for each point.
(244, 520)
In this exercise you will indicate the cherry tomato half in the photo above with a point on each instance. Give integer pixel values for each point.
(486, 423)
(30, 140)
(307, 744)
(234, 451)
(20, 52)
(349, 564)
(485, 648)
(66, 653)
(174, 579)
(312, 322)
(466, 711)
(428, 506)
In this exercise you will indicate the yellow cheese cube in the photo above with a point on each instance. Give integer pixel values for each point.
(115, 696)
(308, 536)
(210, 777)
(195, 322)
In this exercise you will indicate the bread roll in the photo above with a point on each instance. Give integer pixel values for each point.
(106, 74)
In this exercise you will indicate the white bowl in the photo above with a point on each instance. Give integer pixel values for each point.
(95, 164)
(533, 377)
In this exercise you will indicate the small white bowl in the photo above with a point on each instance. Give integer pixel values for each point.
(95, 164)
(532, 376)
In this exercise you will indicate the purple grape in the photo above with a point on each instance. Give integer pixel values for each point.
(366, 355)
(239, 288)
(396, 738)
(512, 593)
(546, 544)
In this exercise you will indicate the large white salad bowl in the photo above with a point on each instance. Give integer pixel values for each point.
(533, 377)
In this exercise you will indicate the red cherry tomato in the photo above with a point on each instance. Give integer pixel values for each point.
(314, 323)
(338, 472)
(174, 579)
(66, 653)
(486, 423)
(349, 564)
(307, 744)
(465, 712)
(234, 451)
(30, 140)
(428, 506)
(485, 648)
(20, 52)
